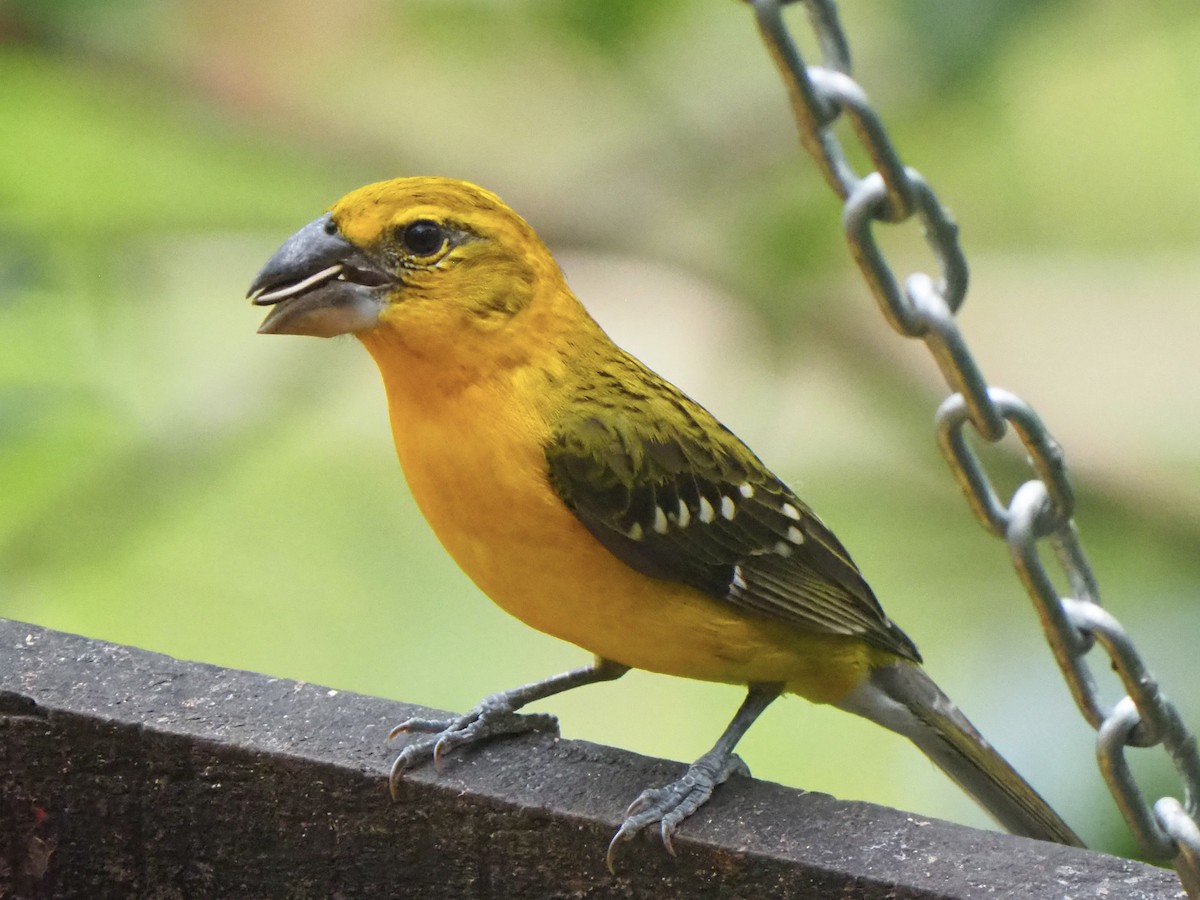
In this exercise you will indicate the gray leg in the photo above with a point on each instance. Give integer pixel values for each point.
(671, 804)
(494, 716)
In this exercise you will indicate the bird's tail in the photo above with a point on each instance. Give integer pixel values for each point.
(903, 698)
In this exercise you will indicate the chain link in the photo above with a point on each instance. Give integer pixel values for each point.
(1039, 514)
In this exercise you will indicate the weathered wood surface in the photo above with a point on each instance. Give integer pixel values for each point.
(132, 774)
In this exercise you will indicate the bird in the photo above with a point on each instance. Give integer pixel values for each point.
(594, 501)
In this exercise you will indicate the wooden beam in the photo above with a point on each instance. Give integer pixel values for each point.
(131, 774)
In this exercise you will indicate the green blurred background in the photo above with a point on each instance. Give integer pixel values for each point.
(170, 479)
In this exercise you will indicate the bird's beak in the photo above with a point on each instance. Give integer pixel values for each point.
(320, 284)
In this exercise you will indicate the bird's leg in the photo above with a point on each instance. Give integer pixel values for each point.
(671, 804)
(495, 715)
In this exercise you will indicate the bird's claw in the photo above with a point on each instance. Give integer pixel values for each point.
(423, 726)
(671, 804)
(491, 718)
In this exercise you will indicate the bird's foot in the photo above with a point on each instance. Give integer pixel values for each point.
(671, 804)
(493, 717)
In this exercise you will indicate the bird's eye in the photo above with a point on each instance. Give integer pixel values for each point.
(422, 237)
(330, 226)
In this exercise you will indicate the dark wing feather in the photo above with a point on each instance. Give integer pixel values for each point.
(672, 493)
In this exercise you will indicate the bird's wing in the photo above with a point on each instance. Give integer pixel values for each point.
(675, 495)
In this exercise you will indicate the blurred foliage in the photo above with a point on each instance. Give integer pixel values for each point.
(171, 480)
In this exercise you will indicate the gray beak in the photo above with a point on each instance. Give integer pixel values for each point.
(320, 284)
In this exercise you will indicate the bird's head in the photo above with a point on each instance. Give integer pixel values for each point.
(416, 258)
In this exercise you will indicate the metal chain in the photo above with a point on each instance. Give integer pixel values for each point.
(1039, 513)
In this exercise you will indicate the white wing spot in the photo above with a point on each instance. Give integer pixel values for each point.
(706, 511)
(746, 489)
(660, 520)
(685, 515)
(738, 584)
(783, 549)
(795, 535)
(636, 531)
(727, 508)
(790, 511)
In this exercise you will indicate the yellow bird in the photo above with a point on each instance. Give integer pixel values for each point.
(596, 502)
